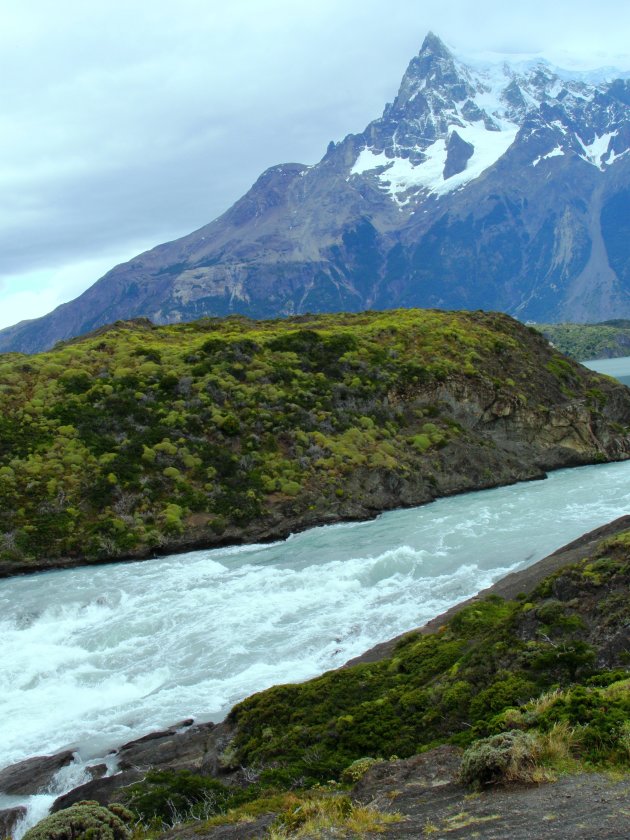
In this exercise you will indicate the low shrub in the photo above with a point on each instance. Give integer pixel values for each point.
(357, 769)
(170, 797)
(501, 759)
(328, 816)
(84, 821)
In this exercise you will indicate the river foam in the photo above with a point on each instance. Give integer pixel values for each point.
(94, 657)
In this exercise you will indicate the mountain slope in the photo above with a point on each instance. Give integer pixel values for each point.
(496, 188)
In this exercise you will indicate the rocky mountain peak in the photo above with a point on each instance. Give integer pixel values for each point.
(452, 121)
(433, 72)
(433, 44)
(503, 186)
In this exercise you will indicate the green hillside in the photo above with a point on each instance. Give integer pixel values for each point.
(141, 439)
(608, 340)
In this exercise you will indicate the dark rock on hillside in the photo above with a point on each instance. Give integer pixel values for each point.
(184, 746)
(97, 771)
(30, 776)
(9, 818)
(104, 790)
(458, 153)
(434, 769)
(499, 189)
(175, 748)
(249, 830)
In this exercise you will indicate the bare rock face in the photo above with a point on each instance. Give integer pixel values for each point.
(434, 769)
(425, 792)
(103, 790)
(9, 818)
(30, 776)
(458, 153)
(253, 830)
(183, 746)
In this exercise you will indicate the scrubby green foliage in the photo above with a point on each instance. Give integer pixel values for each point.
(138, 438)
(598, 718)
(481, 675)
(298, 813)
(357, 769)
(607, 340)
(500, 759)
(167, 796)
(84, 821)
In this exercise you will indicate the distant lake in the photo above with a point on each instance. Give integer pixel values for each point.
(619, 368)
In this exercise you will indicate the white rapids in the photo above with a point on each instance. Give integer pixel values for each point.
(93, 657)
(96, 656)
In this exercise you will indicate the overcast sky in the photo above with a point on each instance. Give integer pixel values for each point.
(126, 123)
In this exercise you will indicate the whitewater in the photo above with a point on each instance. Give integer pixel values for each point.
(96, 656)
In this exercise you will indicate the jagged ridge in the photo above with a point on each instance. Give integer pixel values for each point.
(497, 188)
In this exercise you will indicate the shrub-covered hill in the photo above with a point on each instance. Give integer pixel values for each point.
(141, 439)
(607, 340)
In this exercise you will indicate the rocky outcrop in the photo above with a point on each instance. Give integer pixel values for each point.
(184, 746)
(458, 153)
(9, 818)
(104, 790)
(34, 774)
(425, 792)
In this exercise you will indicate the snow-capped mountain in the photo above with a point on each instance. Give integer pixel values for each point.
(449, 123)
(497, 187)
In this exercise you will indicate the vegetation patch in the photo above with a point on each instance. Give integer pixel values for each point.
(500, 759)
(84, 821)
(606, 340)
(141, 439)
(330, 815)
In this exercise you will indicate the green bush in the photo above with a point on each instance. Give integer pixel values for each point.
(170, 796)
(357, 769)
(84, 821)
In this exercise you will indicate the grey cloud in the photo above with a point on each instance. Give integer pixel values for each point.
(125, 122)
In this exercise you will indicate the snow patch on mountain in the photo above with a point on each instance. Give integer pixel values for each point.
(525, 63)
(595, 152)
(553, 153)
(398, 175)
